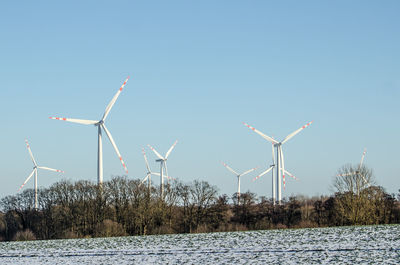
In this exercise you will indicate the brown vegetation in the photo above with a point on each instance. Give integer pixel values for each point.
(25, 235)
(124, 207)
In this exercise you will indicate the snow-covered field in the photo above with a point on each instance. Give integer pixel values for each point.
(345, 245)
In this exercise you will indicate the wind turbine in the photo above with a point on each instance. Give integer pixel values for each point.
(149, 172)
(272, 166)
(358, 171)
(35, 169)
(280, 162)
(101, 125)
(238, 177)
(163, 165)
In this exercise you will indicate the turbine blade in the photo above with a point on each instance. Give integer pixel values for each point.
(112, 102)
(169, 178)
(30, 152)
(27, 179)
(346, 174)
(273, 154)
(282, 167)
(155, 152)
(266, 137)
(145, 160)
(291, 175)
(365, 180)
(170, 149)
(262, 174)
(52, 169)
(155, 173)
(115, 147)
(144, 179)
(166, 170)
(86, 122)
(230, 169)
(362, 158)
(248, 171)
(296, 132)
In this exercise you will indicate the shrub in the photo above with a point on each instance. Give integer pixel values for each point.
(203, 228)
(109, 228)
(306, 224)
(70, 235)
(24, 235)
(165, 229)
(280, 226)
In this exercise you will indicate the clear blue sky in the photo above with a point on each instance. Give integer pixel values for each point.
(198, 70)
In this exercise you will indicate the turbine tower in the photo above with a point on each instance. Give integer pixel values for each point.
(238, 177)
(101, 125)
(149, 172)
(273, 179)
(280, 162)
(163, 165)
(35, 169)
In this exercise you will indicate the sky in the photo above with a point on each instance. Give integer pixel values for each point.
(198, 69)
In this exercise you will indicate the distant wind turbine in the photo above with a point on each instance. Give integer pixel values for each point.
(358, 171)
(280, 162)
(271, 167)
(149, 172)
(238, 176)
(101, 125)
(163, 165)
(35, 169)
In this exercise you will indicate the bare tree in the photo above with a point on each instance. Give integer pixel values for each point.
(353, 179)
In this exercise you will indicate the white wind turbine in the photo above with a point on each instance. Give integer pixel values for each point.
(358, 171)
(35, 169)
(272, 166)
(280, 162)
(163, 165)
(238, 176)
(101, 125)
(149, 172)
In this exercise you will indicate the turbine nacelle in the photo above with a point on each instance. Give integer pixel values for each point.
(101, 122)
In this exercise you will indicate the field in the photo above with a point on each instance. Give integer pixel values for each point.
(362, 245)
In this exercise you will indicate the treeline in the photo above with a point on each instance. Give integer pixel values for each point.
(125, 207)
